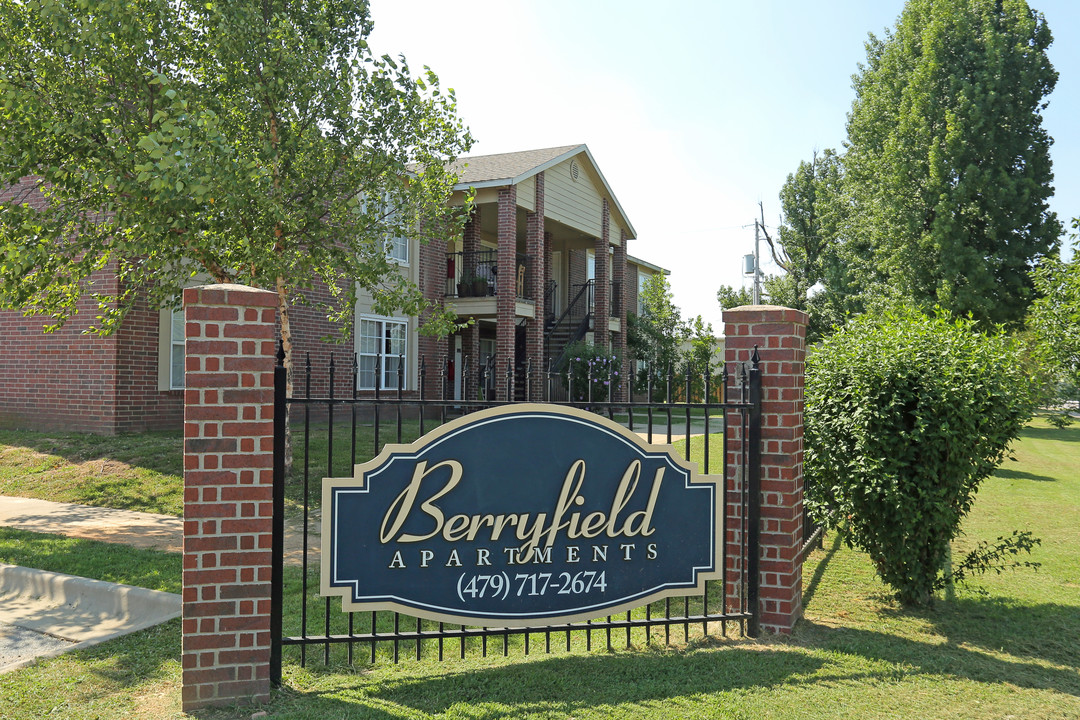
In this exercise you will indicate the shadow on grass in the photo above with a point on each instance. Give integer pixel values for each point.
(979, 630)
(561, 686)
(819, 571)
(1069, 434)
(95, 682)
(128, 472)
(955, 658)
(1041, 632)
(1021, 475)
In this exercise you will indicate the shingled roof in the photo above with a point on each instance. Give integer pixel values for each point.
(508, 168)
(486, 171)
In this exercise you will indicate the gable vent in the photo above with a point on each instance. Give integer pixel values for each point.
(575, 171)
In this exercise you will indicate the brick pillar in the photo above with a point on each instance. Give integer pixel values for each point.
(506, 288)
(618, 273)
(470, 350)
(780, 335)
(602, 283)
(470, 241)
(228, 494)
(432, 351)
(534, 248)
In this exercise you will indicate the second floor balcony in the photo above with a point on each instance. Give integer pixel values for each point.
(473, 283)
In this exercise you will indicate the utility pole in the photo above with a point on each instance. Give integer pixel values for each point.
(757, 263)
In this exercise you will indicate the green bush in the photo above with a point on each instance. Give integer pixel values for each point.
(905, 417)
(593, 370)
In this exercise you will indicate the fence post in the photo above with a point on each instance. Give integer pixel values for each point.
(780, 336)
(228, 494)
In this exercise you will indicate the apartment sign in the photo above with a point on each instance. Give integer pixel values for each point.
(520, 515)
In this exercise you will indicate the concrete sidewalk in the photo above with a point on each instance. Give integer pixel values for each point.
(128, 527)
(138, 529)
(43, 613)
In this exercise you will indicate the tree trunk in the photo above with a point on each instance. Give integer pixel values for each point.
(287, 346)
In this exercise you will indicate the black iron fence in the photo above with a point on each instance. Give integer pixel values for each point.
(328, 435)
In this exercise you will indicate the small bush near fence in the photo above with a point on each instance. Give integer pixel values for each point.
(593, 371)
(905, 417)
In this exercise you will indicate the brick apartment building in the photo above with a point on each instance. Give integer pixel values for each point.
(542, 262)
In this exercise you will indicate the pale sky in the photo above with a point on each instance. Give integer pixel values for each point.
(694, 110)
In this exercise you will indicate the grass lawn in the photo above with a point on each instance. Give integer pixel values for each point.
(1004, 648)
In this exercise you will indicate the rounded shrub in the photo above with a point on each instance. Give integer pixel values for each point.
(905, 416)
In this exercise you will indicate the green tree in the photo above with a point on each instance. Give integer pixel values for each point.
(659, 331)
(700, 359)
(729, 297)
(251, 141)
(947, 163)
(810, 245)
(813, 209)
(905, 417)
(1054, 318)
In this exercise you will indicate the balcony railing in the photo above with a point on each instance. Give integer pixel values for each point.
(476, 274)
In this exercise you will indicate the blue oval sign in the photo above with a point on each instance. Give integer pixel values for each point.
(520, 515)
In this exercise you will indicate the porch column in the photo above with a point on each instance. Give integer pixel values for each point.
(537, 271)
(618, 271)
(470, 241)
(780, 336)
(470, 349)
(601, 285)
(432, 351)
(505, 288)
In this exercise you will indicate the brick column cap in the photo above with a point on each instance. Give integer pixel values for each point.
(765, 313)
(230, 294)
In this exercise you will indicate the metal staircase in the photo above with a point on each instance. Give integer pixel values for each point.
(570, 327)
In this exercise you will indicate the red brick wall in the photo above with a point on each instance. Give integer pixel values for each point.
(228, 495)
(780, 336)
(316, 337)
(139, 404)
(76, 381)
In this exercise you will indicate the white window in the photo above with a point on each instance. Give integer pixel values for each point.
(176, 351)
(641, 279)
(381, 343)
(397, 249)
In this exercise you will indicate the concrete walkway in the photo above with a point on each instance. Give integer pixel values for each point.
(138, 529)
(43, 613)
(128, 527)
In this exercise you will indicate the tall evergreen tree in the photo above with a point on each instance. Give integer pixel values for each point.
(947, 163)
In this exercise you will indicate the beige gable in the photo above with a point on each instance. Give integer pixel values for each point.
(572, 195)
